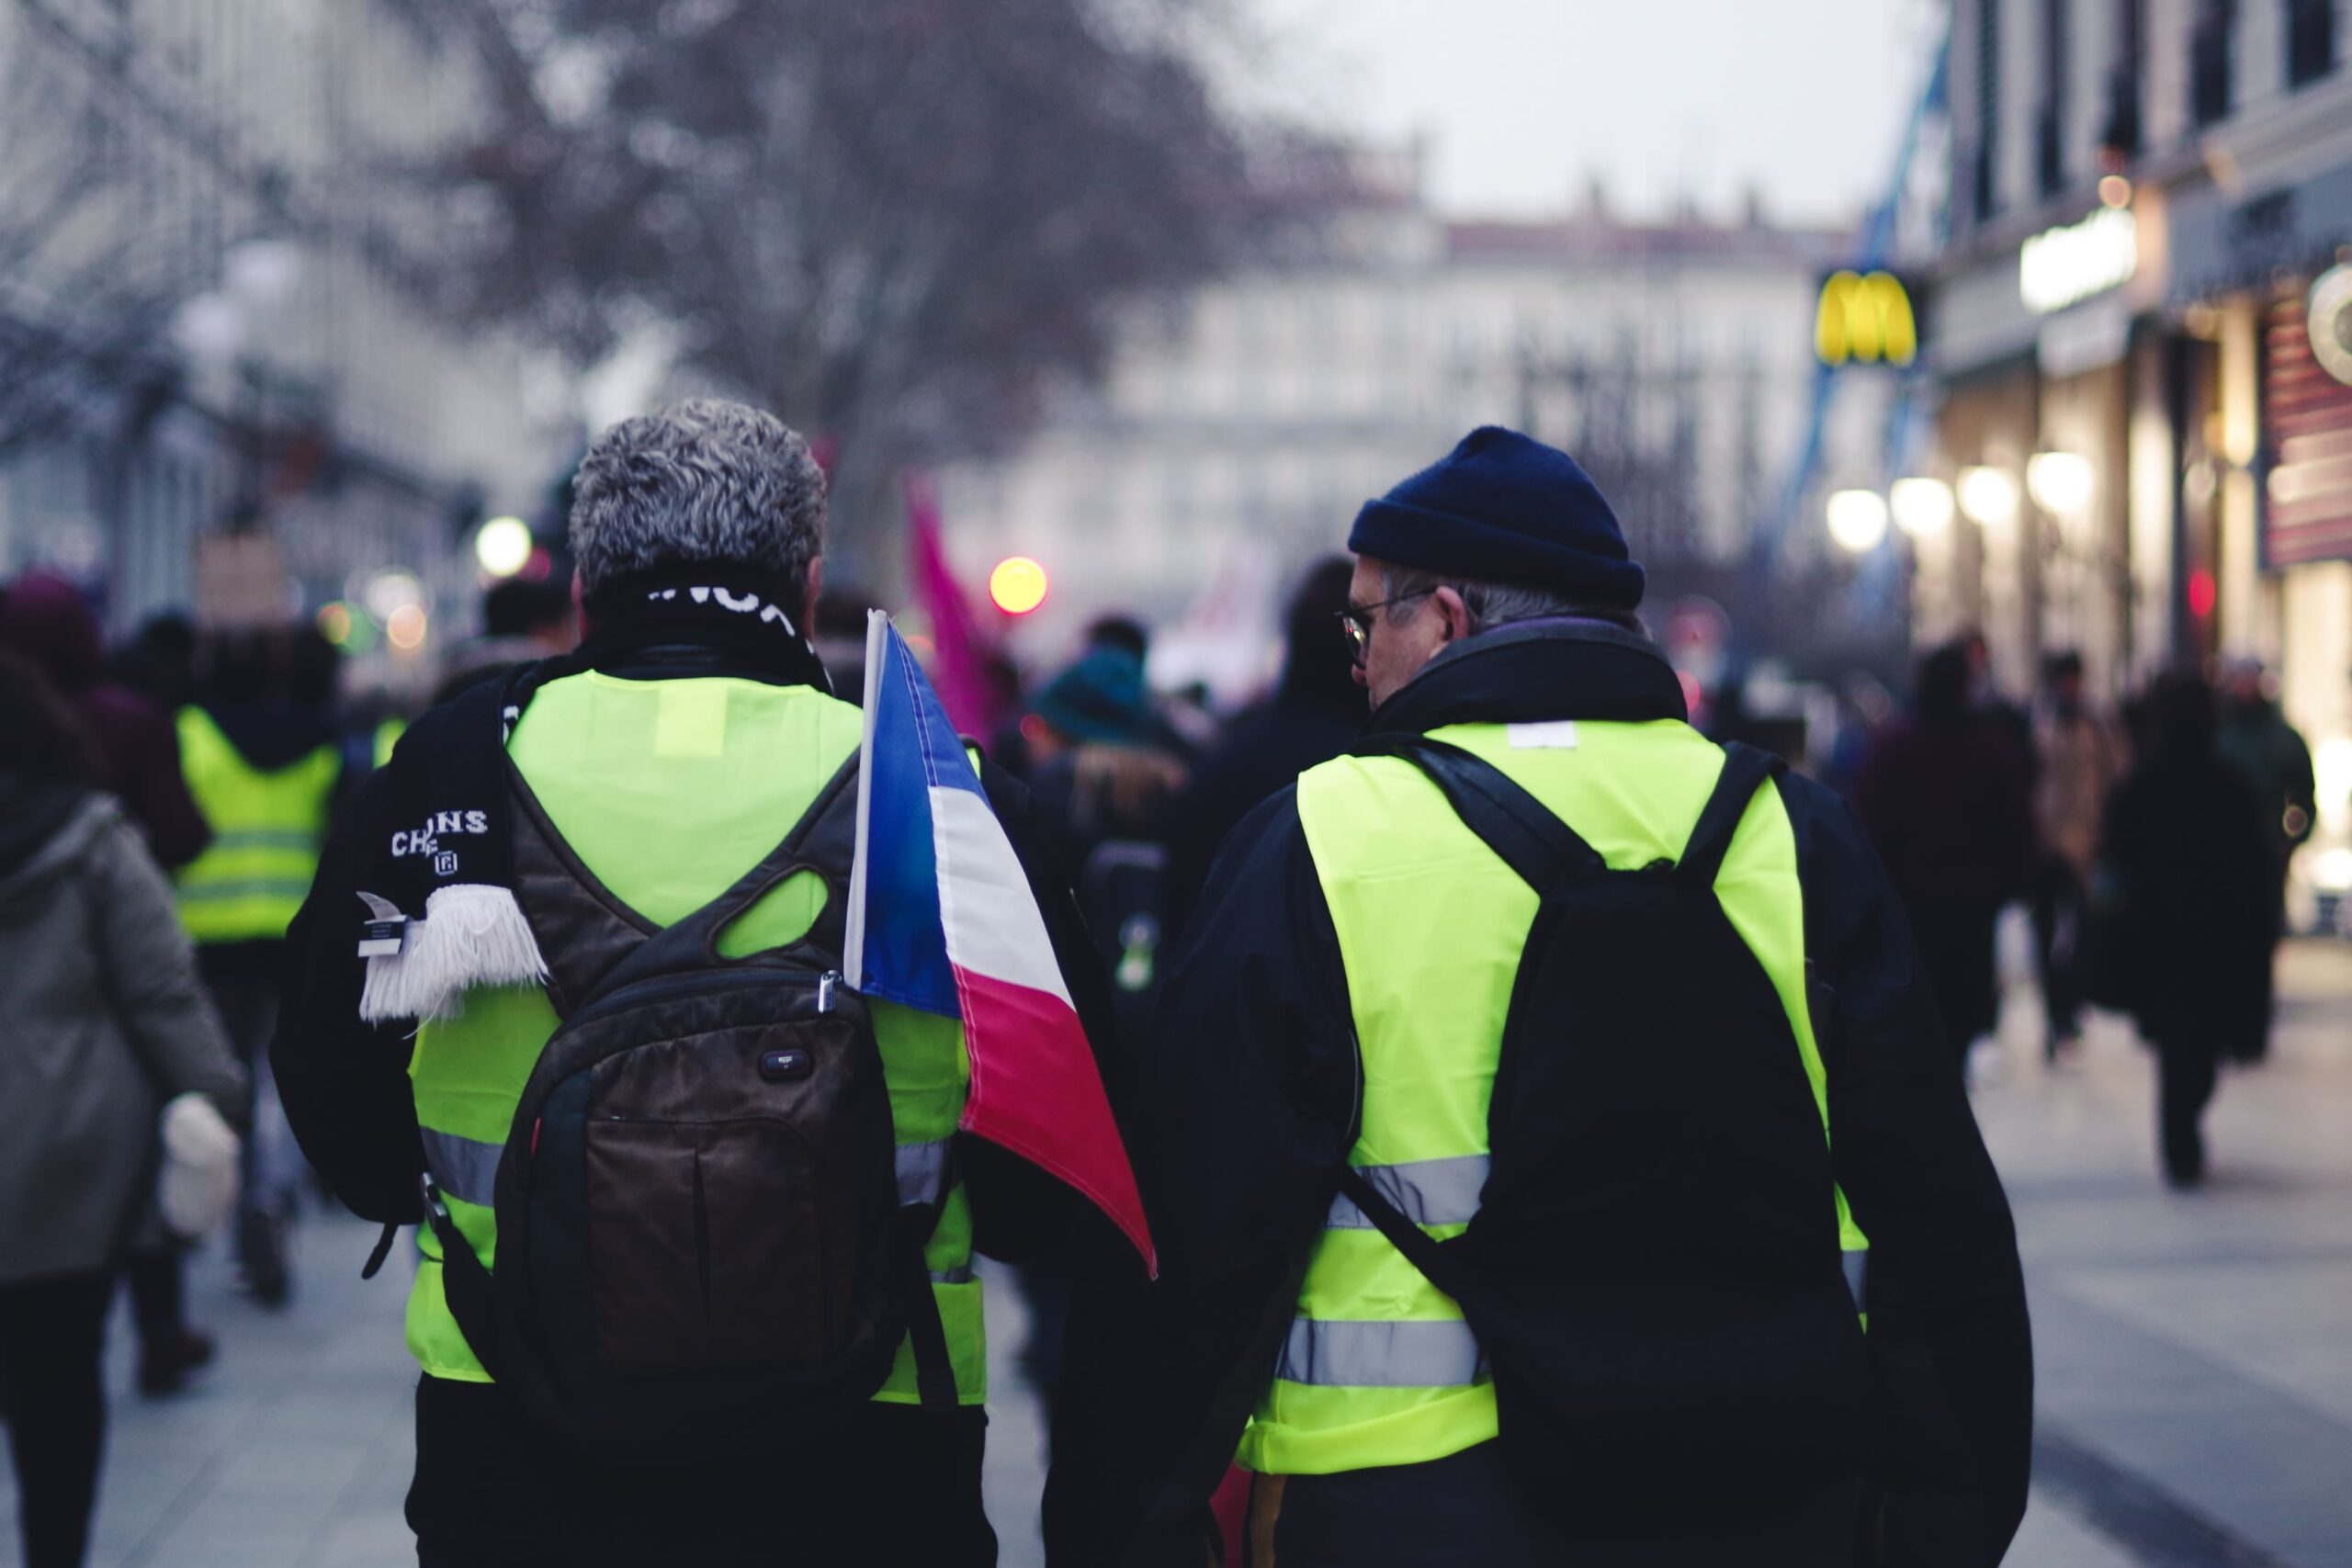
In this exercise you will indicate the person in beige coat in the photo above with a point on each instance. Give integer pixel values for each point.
(2080, 755)
(101, 1021)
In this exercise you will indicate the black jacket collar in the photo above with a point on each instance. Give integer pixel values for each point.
(1534, 670)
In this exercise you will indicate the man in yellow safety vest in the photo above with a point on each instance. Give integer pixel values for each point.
(1618, 1034)
(675, 800)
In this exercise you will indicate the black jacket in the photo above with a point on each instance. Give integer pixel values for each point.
(1244, 1107)
(2190, 889)
(345, 1082)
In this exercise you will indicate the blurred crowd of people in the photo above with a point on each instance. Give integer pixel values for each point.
(2151, 844)
(161, 806)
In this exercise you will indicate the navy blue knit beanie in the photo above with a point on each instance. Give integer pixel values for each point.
(1502, 508)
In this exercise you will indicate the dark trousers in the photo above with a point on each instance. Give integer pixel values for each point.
(1468, 1508)
(51, 1334)
(2185, 1079)
(157, 1277)
(244, 982)
(893, 1484)
(2057, 945)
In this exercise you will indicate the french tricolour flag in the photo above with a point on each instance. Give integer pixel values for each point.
(941, 918)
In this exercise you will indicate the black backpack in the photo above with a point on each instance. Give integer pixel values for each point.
(1123, 892)
(1654, 1270)
(702, 1242)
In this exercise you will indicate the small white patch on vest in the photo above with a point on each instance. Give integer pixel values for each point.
(1559, 734)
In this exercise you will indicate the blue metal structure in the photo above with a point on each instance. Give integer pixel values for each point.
(1873, 247)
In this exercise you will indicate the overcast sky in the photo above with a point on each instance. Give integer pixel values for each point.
(1525, 100)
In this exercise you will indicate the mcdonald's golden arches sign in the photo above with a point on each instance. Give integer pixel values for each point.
(1865, 319)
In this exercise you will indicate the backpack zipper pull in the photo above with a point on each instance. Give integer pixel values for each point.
(825, 991)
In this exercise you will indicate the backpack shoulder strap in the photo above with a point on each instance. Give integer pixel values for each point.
(1533, 842)
(1744, 770)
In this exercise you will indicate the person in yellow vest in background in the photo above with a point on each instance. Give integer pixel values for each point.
(1549, 1144)
(264, 763)
(570, 997)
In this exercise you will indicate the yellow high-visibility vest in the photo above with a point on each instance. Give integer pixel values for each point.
(251, 880)
(1379, 1367)
(606, 756)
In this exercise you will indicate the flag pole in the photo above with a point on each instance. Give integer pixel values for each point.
(877, 639)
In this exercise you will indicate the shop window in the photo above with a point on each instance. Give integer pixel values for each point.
(2049, 119)
(2212, 52)
(2122, 135)
(1984, 185)
(2311, 41)
(2119, 139)
(2050, 149)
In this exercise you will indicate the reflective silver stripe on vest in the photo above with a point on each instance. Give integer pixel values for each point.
(300, 840)
(1422, 1354)
(1858, 1277)
(245, 887)
(922, 1170)
(463, 1167)
(1426, 1192)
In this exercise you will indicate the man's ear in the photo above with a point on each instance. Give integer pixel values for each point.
(808, 606)
(1455, 614)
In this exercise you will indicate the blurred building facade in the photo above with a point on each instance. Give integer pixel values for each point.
(1239, 427)
(213, 315)
(2133, 328)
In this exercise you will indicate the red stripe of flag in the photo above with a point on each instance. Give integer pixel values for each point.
(1045, 1101)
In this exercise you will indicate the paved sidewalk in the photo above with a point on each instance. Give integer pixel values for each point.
(295, 1450)
(2195, 1351)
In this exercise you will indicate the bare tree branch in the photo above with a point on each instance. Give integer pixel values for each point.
(895, 220)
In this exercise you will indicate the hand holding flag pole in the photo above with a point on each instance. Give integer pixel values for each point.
(941, 918)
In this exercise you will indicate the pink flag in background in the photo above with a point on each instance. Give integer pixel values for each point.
(959, 648)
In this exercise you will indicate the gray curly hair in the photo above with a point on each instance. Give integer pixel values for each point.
(702, 483)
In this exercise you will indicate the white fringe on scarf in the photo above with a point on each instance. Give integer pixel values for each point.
(471, 935)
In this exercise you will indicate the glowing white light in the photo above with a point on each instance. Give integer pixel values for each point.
(2059, 482)
(1857, 519)
(2331, 870)
(390, 591)
(1989, 497)
(503, 546)
(2059, 267)
(1922, 507)
(2332, 776)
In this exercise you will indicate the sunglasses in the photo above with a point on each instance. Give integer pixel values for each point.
(1355, 621)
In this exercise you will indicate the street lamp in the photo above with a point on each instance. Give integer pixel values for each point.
(1989, 497)
(1857, 519)
(503, 546)
(2059, 482)
(1922, 507)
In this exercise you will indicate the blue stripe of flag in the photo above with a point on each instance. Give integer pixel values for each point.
(944, 759)
(906, 940)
